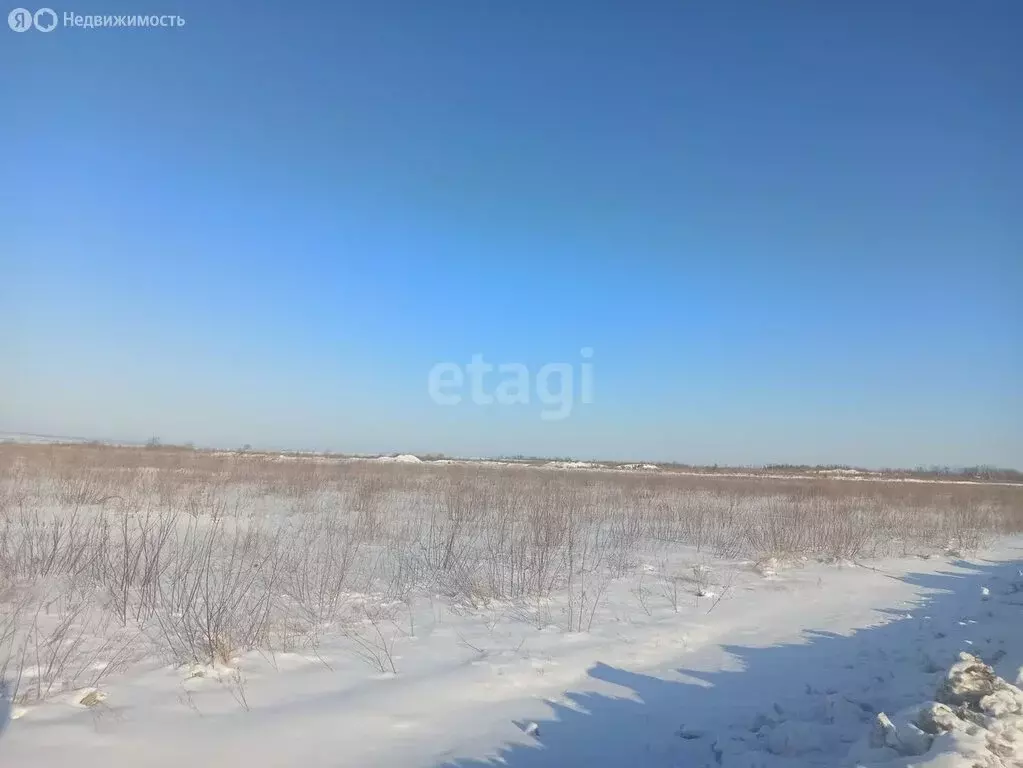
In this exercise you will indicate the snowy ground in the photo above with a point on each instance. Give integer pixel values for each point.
(772, 667)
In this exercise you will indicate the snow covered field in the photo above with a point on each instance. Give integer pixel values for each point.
(169, 608)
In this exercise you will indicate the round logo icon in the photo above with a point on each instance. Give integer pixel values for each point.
(20, 20)
(45, 19)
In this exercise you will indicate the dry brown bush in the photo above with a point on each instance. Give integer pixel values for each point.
(206, 554)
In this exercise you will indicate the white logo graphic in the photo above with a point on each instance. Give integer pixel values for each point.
(45, 19)
(20, 20)
(554, 384)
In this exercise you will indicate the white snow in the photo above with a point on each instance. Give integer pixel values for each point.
(404, 458)
(818, 665)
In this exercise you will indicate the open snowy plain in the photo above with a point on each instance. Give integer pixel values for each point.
(171, 607)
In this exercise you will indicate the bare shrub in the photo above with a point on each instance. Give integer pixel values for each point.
(54, 643)
(371, 633)
(320, 552)
(108, 552)
(217, 597)
(131, 561)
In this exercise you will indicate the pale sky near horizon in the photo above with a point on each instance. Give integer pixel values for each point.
(787, 232)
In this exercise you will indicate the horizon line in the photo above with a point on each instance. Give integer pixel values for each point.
(934, 469)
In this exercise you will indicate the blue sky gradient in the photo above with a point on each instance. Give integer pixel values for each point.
(790, 232)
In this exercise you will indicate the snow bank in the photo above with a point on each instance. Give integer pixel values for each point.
(976, 720)
(404, 458)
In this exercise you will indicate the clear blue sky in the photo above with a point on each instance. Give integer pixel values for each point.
(789, 231)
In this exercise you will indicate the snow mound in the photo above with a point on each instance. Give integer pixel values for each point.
(976, 721)
(404, 458)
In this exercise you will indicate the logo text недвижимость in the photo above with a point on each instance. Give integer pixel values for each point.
(47, 20)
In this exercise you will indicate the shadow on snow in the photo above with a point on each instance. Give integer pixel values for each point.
(653, 721)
